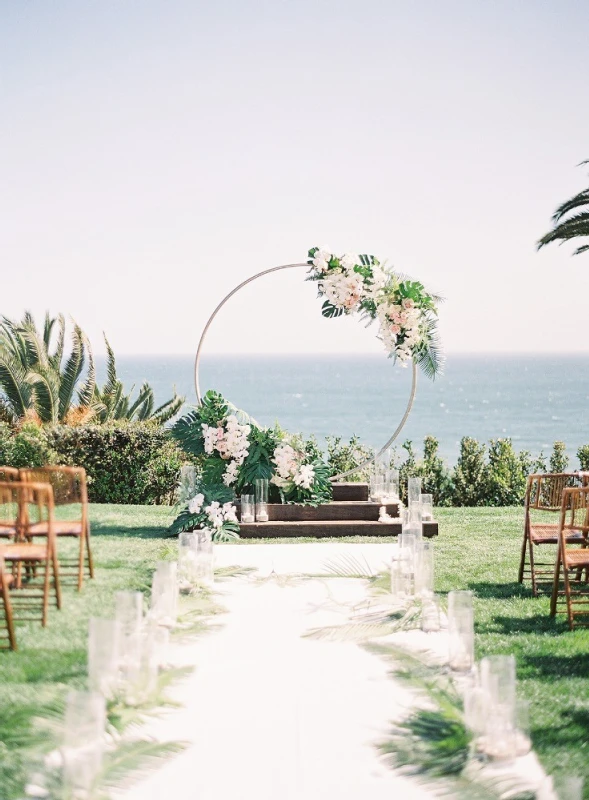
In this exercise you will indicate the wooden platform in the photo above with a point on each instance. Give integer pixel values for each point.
(349, 514)
(326, 529)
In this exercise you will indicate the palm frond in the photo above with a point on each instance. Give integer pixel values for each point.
(86, 391)
(130, 760)
(581, 199)
(143, 406)
(169, 409)
(45, 383)
(71, 372)
(347, 565)
(16, 389)
(56, 357)
(429, 355)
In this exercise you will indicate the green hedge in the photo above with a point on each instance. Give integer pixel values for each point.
(126, 463)
(132, 463)
(138, 463)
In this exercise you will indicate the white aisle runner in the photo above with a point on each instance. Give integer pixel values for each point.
(271, 715)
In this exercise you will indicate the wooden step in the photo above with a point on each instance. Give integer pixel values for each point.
(350, 491)
(343, 510)
(321, 530)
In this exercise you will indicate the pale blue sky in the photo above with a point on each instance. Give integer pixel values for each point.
(154, 154)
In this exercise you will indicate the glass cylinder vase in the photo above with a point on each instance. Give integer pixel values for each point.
(163, 608)
(461, 631)
(247, 508)
(261, 489)
(104, 654)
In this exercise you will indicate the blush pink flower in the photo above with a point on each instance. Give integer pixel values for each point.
(408, 303)
(396, 329)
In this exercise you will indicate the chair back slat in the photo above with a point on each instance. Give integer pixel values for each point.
(544, 490)
(23, 503)
(9, 474)
(68, 483)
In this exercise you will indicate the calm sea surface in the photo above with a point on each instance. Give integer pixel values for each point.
(534, 400)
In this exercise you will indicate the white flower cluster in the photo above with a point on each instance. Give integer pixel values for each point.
(195, 504)
(231, 442)
(290, 469)
(218, 514)
(342, 285)
(400, 322)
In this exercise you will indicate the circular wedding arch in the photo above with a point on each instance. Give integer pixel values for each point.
(241, 286)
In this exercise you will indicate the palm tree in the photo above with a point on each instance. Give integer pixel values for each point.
(574, 226)
(112, 403)
(36, 378)
(39, 382)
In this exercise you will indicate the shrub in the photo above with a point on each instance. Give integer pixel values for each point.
(470, 474)
(559, 460)
(583, 456)
(25, 446)
(343, 456)
(126, 463)
(507, 473)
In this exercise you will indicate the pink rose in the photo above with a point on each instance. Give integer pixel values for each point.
(396, 329)
(408, 303)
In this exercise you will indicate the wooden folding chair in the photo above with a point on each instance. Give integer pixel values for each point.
(22, 504)
(69, 489)
(543, 500)
(574, 516)
(8, 474)
(6, 580)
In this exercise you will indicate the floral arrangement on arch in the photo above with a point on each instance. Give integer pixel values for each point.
(405, 312)
(233, 452)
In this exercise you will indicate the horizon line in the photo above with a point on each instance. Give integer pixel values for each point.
(482, 353)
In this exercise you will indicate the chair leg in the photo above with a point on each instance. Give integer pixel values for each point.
(532, 569)
(522, 561)
(8, 615)
(567, 591)
(89, 551)
(81, 562)
(45, 595)
(56, 581)
(554, 597)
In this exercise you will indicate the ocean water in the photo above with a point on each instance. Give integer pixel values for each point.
(534, 400)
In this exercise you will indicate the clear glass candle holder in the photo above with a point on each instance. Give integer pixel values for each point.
(424, 568)
(104, 654)
(84, 740)
(461, 631)
(187, 483)
(187, 561)
(247, 506)
(430, 614)
(392, 485)
(413, 490)
(129, 615)
(261, 494)
(141, 682)
(163, 608)
(427, 507)
(206, 558)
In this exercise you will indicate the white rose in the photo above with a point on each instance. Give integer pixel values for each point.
(349, 260)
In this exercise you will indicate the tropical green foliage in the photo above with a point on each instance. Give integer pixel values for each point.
(37, 378)
(42, 380)
(571, 222)
(233, 452)
(111, 402)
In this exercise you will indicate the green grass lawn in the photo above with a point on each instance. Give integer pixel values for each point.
(477, 549)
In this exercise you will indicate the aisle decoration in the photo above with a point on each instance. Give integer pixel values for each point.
(406, 313)
(232, 452)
